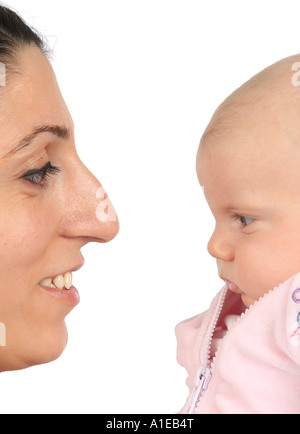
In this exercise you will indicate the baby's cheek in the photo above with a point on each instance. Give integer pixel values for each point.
(252, 274)
(265, 267)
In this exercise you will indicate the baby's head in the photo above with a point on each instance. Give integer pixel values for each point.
(249, 165)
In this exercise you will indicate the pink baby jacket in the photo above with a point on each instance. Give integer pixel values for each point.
(244, 361)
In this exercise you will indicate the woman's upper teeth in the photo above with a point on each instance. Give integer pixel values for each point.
(62, 281)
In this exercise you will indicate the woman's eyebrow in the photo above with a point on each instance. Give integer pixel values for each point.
(57, 130)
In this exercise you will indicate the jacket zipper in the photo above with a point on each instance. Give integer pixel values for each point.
(203, 378)
(204, 373)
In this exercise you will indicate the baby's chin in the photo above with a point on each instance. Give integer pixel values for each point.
(247, 300)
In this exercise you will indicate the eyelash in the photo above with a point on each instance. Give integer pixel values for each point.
(42, 174)
(242, 219)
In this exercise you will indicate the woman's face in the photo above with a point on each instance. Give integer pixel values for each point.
(45, 219)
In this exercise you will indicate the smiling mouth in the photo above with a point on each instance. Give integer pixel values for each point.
(62, 281)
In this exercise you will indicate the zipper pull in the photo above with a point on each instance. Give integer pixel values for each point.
(203, 378)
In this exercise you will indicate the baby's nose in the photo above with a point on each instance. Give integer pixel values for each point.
(219, 247)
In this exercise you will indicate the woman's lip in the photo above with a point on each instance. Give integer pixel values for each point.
(69, 296)
(70, 270)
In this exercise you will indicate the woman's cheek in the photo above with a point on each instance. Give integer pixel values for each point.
(23, 240)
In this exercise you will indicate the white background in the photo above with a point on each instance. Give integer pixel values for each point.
(142, 79)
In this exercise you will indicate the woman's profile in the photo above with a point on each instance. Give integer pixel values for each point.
(50, 203)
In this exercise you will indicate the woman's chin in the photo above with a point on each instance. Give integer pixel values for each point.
(50, 348)
(46, 348)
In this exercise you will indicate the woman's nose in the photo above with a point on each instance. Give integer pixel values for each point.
(88, 211)
(220, 247)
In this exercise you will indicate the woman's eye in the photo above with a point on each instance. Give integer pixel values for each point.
(41, 177)
(245, 221)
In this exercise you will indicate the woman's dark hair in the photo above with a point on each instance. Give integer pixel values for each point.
(15, 34)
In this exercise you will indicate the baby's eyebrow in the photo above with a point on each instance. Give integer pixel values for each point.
(242, 208)
(57, 130)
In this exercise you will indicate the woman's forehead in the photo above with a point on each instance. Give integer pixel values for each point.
(31, 101)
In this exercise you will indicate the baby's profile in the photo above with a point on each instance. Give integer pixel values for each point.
(243, 354)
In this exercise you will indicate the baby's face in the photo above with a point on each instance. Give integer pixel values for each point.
(250, 170)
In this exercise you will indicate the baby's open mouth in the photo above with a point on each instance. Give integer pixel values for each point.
(232, 286)
(62, 281)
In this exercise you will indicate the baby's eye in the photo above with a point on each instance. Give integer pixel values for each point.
(245, 221)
